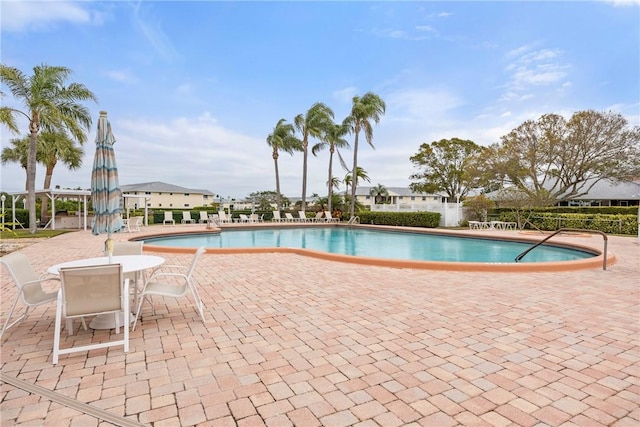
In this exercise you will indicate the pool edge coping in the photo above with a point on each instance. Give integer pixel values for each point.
(595, 262)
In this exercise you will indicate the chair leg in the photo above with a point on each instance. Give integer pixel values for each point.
(56, 330)
(13, 306)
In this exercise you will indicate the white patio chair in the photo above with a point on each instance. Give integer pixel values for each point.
(318, 217)
(168, 217)
(204, 217)
(329, 218)
(302, 216)
(87, 291)
(243, 218)
(223, 218)
(173, 281)
(130, 248)
(276, 217)
(29, 285)
(186, 218)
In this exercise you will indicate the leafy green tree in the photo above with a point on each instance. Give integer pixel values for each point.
(379, 193)
(282, 139)
(263, 199)
(313, 124)
(332, 138)
(47, 104)
(565, 158)
(16, 153)
(446, 167)
(366, 109)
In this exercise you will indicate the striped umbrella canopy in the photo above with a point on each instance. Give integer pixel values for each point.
(105, 190)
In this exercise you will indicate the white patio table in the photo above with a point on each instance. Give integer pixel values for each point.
(130, 264)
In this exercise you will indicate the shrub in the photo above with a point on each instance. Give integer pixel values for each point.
(404, 219)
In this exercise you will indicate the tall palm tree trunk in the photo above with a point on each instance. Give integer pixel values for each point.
(354, 177)
(47, 184)
(31, 176)
(275, 162)
(303, 202)
(330, 179)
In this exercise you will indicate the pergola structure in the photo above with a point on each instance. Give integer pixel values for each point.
(53, 194)
(81, 195)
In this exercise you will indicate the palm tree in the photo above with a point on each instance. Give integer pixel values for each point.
(369, 107)
(318, 118)
(16, 154)
(361, 175)
(49, 105)
(52, 147)
(282, 139)
(379, 192)
(333, 139)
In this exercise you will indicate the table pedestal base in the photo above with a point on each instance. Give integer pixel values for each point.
(107, 321)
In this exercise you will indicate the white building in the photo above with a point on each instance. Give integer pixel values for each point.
(166, 196)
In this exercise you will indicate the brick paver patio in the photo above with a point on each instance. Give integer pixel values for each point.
(296, 341)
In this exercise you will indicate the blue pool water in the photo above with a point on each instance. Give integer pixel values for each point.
(378, 244)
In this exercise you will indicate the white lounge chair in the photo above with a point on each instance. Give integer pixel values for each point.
(168, 217)
(302, 216)
(276, 217)
(204, 217)
(223, 218)
(289, 218)
(254, 218)
(173, 281)
(243, 218)
(186, 218)
(29, 286)
(329, 218)
(87, 291)
(318, 217)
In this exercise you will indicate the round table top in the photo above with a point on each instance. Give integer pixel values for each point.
(130, 263)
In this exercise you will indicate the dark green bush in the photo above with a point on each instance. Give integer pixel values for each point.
(404, 219)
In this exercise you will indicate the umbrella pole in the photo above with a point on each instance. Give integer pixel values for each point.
(108, 247)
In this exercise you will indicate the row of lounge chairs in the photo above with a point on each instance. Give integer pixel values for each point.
(222, 218)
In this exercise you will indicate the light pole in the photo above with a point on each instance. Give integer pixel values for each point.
(3, 198)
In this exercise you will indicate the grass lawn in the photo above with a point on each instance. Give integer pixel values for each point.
(24, 234)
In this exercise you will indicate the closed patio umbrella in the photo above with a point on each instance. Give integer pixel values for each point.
(105, 190)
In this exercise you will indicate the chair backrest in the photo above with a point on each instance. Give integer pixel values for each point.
(327, 214)
(276, 215)
(204, 216)
(186, 215)
(318, 215)
(192, 267)
(128, 248)
(254, 217)
(21, 272)
(92, 290)
(222, 215)
(244, 217)
(302, 215)
(288, 215)
(168, 215)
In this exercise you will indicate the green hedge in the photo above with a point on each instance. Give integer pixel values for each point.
(405, 219)
(607, 223)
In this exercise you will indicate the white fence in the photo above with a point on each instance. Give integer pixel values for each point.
(451, 214)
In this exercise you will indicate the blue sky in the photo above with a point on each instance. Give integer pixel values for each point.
(194, 88)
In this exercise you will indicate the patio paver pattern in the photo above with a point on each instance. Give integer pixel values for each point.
(297, 341)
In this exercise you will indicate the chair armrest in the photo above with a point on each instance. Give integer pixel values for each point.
(45, 279)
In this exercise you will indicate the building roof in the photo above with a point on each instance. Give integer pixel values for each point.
(609, 190)
(394, 191)
(162, 187)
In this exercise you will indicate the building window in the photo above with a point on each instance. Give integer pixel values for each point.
(424, 198)
(171, 194)
(205, 197)
(367, 197)
(170, 205)
(413, 198)
(149, 205)
(160, 205)
(186, 205)
(401, 197)
(187, 194)
(147, 192)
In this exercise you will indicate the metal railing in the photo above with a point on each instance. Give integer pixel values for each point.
(580, 230)
(354, 220)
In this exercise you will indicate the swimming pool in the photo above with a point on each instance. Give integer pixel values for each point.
(363, 243)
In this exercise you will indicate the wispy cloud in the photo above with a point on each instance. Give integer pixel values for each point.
(121, 76)
(346, 94)
(400, 34)
(19, 16)
(152, 31)
(623, 3)
(534, 68)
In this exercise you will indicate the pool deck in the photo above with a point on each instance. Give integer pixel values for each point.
(291, 340)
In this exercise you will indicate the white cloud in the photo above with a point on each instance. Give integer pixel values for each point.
(345, 94)
(43, 15)
(623, 3)
(122, 76)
